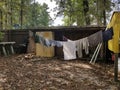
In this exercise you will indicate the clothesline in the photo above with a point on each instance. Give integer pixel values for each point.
(71, 47)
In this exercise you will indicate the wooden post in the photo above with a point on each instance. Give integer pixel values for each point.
(12, 50)
(116, 68)
(4, 50)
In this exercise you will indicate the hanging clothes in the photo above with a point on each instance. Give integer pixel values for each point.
(56, 43)
(40, 39)
(86, 45)
(52, 42)
(79, 47)
(47, 43)
(113, 44)
(108, 34)
(95, 39)
(69, 50)
(82, 44)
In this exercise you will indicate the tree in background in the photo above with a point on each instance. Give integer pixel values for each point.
(21, 14)
(39, 16)
(100, 11)
(84, 12)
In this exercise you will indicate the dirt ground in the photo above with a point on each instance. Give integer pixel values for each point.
(22, 72)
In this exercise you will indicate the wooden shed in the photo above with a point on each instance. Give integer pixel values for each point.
(57, 33)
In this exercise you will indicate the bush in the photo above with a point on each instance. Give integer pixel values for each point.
(1, 36)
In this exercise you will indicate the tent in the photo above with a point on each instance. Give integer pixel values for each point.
(113, 44)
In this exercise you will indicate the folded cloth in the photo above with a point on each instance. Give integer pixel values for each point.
(69, 50)
(95, 39)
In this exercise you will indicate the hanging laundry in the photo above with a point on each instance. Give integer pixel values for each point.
(108, 34)
(69, 50)
(95, 39)
(82, 44)
(47, 43)
(52, 42)
(59, 43)
(79, 47)
(40, 39)
(86, 45)
(56, 43)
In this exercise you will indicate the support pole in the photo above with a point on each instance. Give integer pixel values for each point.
(116, 68)
(95, 53)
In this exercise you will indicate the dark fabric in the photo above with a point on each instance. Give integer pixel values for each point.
(95, 39)
(65, 38)
(107, 35)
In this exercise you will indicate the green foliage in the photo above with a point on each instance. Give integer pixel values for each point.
(84, 12)
(23, 14)
(39, 16)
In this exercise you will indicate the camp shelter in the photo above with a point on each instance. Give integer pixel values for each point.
(113, 44)
(57, 33)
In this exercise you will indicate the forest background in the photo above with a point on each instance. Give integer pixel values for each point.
(25, 14)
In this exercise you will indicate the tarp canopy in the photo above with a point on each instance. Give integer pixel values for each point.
(113, 44)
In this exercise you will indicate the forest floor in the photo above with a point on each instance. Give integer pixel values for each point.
(25, 72)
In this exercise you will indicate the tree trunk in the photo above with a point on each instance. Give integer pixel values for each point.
(86, 9)
(11, 9)
(104, 12)
(21, 14)
(1, 19)
(6, 16)
(70, 13)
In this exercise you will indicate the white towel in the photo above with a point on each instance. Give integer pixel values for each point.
(69, 50)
